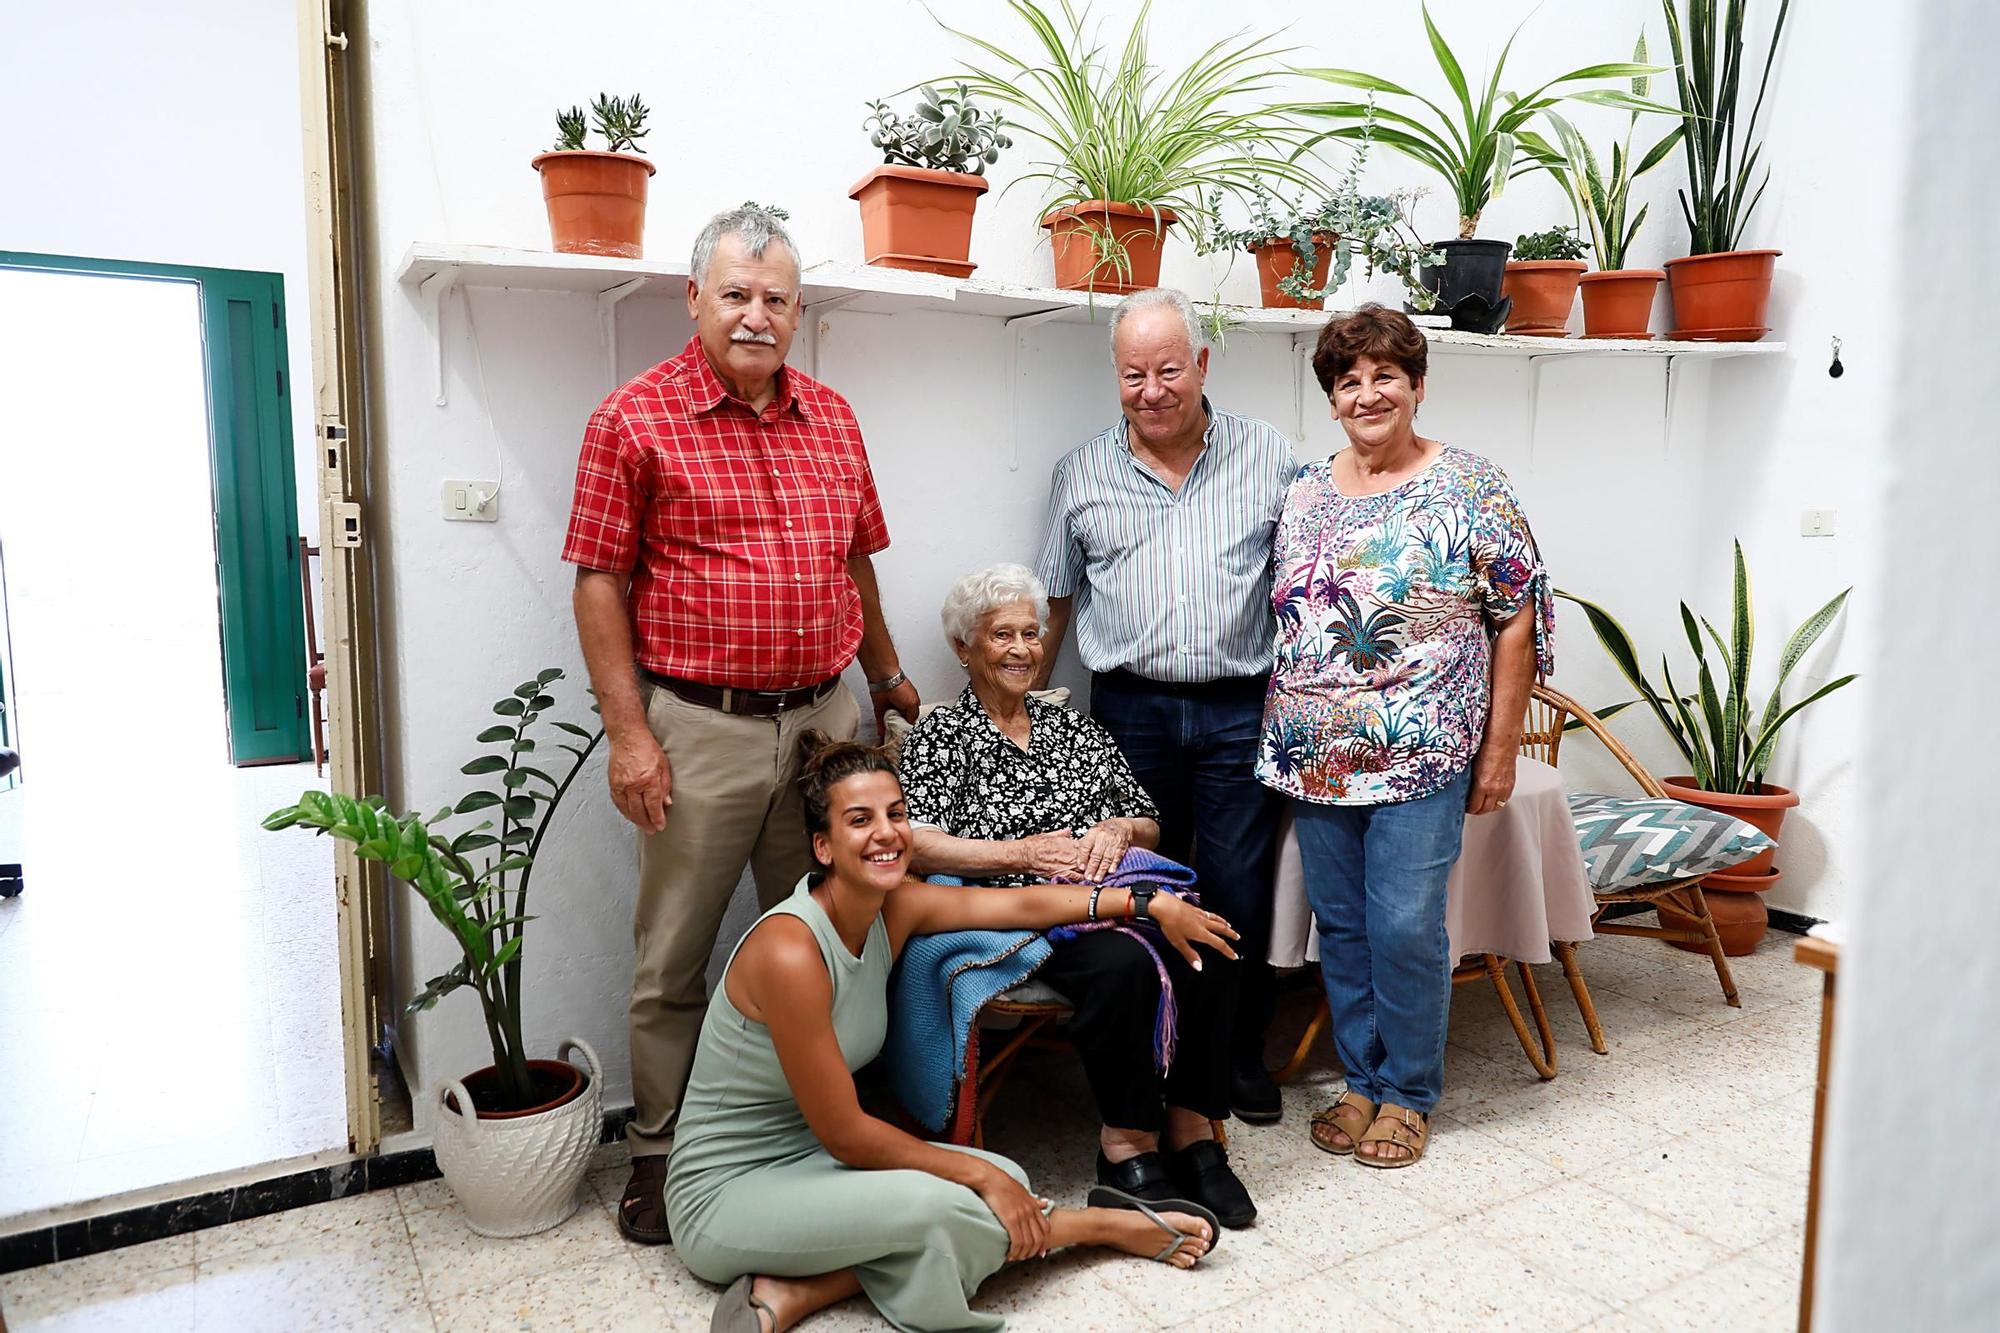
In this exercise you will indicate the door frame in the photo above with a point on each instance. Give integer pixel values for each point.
(261, 596)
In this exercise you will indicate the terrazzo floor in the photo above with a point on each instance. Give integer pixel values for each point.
(1660, 1187)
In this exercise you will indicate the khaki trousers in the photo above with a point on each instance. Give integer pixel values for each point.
(736, 801)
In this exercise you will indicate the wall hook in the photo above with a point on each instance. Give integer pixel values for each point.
(1836, 369)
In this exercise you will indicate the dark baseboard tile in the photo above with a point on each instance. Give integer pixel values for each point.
(214, 1208)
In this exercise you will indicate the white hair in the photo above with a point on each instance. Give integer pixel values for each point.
(978, 595)
(753, 226)
(1159, 298)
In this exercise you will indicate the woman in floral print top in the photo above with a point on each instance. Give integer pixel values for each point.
(1413, 614)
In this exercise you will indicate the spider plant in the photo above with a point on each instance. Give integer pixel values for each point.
(1601, 198)
(1708, 68)
(1125, 131)
(1712, 726)
(1477, 147)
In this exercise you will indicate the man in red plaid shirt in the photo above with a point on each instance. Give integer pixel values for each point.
(722, 526)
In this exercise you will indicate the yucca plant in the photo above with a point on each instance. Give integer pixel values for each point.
(1477, 148)
(1600, 198)
(1129, 133)
(1712, 726)
(1721, 154)
(475, 882)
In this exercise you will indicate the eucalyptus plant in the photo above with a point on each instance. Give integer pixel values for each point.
(945, 132)
(475, 882)
(1721, 152)
(1476, 148)
(1712, 726)
(1601, 197)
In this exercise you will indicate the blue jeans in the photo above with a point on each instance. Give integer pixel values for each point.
(1375, 875)
(1194, 749)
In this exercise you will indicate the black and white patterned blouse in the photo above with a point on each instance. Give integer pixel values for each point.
(962, 775)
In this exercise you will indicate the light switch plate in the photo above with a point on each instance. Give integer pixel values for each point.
(1817, 522)
(471, 501)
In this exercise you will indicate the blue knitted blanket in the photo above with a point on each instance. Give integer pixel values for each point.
(942, 981)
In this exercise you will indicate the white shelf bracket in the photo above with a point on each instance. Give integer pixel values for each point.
(1667, 408)
(1018, 325)
(607, 322)
(1534, 401)
(431, 292)
(1301, 358)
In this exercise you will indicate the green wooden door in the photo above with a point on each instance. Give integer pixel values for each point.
(254, 490)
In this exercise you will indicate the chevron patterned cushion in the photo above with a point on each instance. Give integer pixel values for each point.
(1632, 842)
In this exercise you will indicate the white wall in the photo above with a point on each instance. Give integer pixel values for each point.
(168, 134)
(461, 98)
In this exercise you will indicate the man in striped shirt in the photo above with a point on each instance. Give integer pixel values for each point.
(1159, 548)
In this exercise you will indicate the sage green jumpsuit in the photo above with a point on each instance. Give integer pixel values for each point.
(750, 1190)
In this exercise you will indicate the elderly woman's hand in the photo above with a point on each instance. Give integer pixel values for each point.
(1492, 779)
(1186, 925)
(1053, 856)
(1103, 847)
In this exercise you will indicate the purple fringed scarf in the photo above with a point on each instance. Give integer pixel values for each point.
(1136, 868)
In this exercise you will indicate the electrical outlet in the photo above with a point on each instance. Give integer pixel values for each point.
(1817, 522)
(471, 501)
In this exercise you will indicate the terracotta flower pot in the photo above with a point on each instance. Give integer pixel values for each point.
(1724, 297)
(596, 202)
(1764, 809)
(1275, 262)
(1736, 902)
(1542, 290)
(918, 218)
(1072, 233)
(1619, 303)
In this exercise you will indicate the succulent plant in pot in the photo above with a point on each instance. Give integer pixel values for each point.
(597, 200)
(916, 208)
(1540, 285)
(512, 1139)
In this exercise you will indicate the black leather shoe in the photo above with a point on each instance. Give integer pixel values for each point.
(1253, 1097)
(1201, 1172)
(1143, 1177)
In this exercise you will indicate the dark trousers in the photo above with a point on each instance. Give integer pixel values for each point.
(1194, 749)
(1111, 982)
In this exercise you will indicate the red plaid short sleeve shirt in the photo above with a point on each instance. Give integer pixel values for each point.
(735, 527)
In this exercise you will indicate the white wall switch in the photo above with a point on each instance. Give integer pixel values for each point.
(471, 501)
(1817, 522)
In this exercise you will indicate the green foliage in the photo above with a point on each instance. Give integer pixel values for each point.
(569, 130)
(1126, 131)
(776, 212)
(1721, 154)
(1555, 243)
(1477, 149)
(620, 120)
(468, 893)
(945, 133)
(1712, 726)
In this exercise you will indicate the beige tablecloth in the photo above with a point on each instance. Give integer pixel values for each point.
(1518, 884)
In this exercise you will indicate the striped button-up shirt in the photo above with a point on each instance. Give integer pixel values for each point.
(1171, 585)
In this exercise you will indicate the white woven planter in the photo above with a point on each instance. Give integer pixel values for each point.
(518, 1176)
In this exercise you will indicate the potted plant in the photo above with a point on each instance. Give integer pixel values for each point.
(1721, 292)
(597, 201)
(1132, 149)
(1617, 301)
(1476, 150)
(916, 208)
(512, 1139)
(1713, 727)
(1540, 285)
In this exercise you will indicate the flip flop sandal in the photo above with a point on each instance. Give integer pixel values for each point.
(1398, 1125)
(1351, 1115)
(1104, 1196)
(736, 1309)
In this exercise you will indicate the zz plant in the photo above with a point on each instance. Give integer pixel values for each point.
(475, 881)
(945, 132)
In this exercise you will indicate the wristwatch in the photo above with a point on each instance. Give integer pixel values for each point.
(1142, 902)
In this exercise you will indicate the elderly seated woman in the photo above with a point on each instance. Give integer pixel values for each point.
(1005, 788)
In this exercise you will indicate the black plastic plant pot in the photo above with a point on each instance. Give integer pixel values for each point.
(1468, 283)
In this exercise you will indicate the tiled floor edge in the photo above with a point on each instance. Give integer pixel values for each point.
(235, 1203)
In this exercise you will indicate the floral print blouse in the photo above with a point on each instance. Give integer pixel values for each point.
(961, 774)
(1382, 671)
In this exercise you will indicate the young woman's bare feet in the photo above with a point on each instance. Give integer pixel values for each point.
(793, 1298)
(1137, 1234)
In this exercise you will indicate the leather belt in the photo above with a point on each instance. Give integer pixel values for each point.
(743, 703)
(1220, 687)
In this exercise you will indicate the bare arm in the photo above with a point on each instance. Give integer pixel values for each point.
(1052, 640)
(925, 909)
(878, 651)
(641, 779)
(1513, 674)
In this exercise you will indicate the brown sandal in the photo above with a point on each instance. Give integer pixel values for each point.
(1402, 1127)
(642, 1209)
(1351, 1115)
